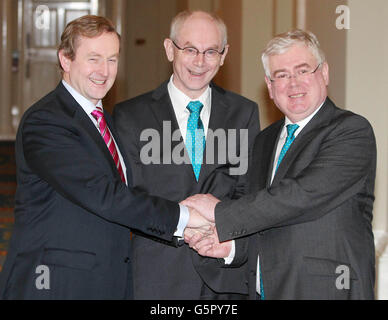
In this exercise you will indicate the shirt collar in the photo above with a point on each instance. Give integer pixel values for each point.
(301, 123)
(180, 100)
(86, 104)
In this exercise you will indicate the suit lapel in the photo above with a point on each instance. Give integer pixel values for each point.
(306, 135)
(163, 110)
(74, 110)
(270, 144)
(261, 158)
(218, 119)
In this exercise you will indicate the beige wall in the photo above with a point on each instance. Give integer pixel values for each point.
(229, 75)
(321, 20)
(257, 30)
(284, 15)
(261, 20)
(367, 85)
(357, 60)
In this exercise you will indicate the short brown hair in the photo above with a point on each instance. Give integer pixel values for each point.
(89, 26)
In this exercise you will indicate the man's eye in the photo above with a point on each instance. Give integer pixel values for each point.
(191, 50)
(211, 52)
(282, 76)
(303, 71)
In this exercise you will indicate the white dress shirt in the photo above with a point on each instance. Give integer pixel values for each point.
(179, 103)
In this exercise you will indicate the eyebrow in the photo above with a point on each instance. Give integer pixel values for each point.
(190, 45)
(95, 54)
(296, 67)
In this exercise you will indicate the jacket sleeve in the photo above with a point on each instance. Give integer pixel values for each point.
(58, 152)
(337, 172)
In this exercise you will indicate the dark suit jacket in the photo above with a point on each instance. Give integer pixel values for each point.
(72, 210)
(316, 215)
(166, 272)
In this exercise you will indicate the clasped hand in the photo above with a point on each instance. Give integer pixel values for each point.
(201, 233)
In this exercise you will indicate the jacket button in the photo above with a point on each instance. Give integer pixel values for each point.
(126, 260)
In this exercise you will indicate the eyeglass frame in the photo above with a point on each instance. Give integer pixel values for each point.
(296, 75)
(198, 52)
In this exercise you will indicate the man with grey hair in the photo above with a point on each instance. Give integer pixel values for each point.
(197, 48)
(312, 174)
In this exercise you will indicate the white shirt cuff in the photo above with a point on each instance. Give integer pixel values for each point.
(183, 220)
(229, 259)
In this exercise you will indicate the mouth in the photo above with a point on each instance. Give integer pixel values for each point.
(196, 74)
(98, 82)
(297, 95)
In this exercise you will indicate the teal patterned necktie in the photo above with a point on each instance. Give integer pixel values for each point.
(291, 128)
(195, 137)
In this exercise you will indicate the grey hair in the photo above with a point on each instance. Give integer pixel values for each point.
(178, 21)
(282, 42)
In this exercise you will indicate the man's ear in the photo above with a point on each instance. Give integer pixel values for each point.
(325, 73)
(269, 86)
(224, 55)
(65, 61)
(169, 47)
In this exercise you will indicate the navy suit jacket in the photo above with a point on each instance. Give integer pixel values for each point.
(73, 213)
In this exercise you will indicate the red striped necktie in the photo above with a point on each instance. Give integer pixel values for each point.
(98, 114)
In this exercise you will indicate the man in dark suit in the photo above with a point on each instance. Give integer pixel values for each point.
(71, 238)
(312, 176)
(197, 48)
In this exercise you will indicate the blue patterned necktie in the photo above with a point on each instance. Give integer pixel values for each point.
(291, 128)
(195, 137)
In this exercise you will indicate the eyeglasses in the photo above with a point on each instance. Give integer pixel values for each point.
(302, 73)
(209, 54)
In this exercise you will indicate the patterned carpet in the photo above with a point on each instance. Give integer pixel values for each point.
(7, 194)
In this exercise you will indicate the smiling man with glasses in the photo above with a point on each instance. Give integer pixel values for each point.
(197, 48)
(309, 210)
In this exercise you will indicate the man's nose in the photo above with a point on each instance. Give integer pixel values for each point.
(199, 60)
(104, 68)
(294, 79)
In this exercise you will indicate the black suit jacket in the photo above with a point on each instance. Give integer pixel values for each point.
(312, 225)
(162, 271)
(72, 211)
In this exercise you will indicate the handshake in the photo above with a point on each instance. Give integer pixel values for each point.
(200, 233)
